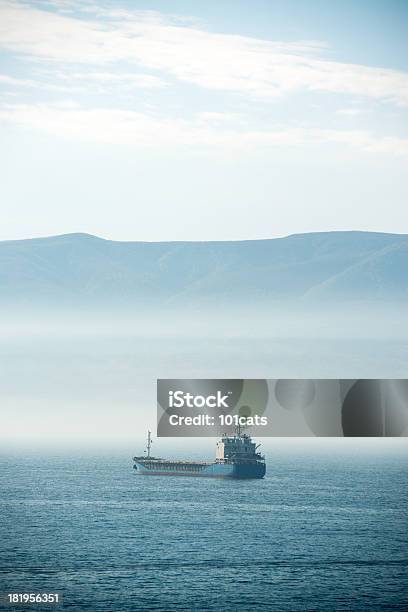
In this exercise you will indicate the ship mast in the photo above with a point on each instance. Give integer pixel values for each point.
(149, 442)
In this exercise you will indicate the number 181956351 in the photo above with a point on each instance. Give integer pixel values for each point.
(32, 598)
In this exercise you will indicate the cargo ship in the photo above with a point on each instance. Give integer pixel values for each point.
(236, 456)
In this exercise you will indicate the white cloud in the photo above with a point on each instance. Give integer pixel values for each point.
(5, 79)
(351, 112)
(17, 83)
(232, 63)
(124, 127)
(127, 79)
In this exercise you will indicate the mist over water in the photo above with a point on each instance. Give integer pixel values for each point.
(88, 378)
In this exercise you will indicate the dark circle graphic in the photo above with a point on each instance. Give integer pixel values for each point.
(362, 411)
(245, 411)
(375, 408)
(294, 394)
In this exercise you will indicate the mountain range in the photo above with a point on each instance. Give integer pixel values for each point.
(326, 266)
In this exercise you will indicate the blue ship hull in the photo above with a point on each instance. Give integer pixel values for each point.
(206, 470)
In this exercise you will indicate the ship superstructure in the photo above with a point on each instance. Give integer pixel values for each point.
(237, 456)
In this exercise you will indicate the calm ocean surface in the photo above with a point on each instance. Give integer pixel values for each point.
(321, 532)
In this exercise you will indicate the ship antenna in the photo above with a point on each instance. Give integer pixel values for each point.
(239, 428)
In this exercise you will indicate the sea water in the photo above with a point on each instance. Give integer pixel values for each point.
(320, 532)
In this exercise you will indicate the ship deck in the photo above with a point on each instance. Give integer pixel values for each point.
(172, 461)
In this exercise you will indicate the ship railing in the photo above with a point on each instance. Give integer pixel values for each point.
(178, 461)
(238, 460)
(245, 455)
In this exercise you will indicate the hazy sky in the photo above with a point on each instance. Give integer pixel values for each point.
(223, 119)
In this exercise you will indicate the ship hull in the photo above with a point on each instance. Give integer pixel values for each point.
(210, 470)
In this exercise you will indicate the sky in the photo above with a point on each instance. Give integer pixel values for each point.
(216, 120)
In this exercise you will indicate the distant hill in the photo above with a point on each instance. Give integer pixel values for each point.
(84, 269)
